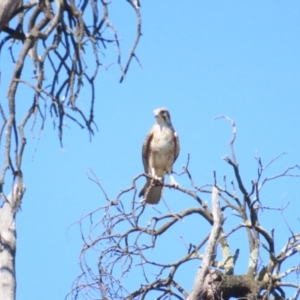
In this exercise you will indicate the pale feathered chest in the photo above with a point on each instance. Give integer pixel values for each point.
(162, 148)
(162, 140)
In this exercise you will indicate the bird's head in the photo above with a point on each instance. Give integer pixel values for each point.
(162, 116)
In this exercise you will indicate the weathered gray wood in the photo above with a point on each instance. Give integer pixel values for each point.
(8, 244)
(7, 9)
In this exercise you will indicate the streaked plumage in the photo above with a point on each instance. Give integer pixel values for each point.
(159, 152)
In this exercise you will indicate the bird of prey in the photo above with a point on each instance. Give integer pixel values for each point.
(159, 152)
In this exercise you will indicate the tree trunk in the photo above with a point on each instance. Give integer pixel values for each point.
(7, 252)
(8, 244)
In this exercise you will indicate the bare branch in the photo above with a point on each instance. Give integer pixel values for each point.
(136, 6)
(233, 137)
(199, 289)
(285, 173)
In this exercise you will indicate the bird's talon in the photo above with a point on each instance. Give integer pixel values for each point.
(173, 182)
(159, 179)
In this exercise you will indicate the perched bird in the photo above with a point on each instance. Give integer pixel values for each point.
(159, 152)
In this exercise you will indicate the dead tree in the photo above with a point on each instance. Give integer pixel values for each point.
(128, 254)
(53, 40)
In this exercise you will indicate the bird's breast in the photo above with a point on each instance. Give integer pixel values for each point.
(162, 149)
(163, 140)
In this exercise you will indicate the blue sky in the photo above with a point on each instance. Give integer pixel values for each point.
(200, 59)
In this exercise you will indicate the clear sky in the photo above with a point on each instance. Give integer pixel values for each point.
(200, 59)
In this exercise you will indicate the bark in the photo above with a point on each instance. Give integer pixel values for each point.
(8, 244)
(7, 10)
(221, 286)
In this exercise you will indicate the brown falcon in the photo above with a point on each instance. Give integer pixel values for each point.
(160, 150)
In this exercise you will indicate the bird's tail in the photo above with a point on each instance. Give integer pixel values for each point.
(152, 191)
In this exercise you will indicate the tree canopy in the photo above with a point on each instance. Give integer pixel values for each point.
(133, 246)
(52, 41)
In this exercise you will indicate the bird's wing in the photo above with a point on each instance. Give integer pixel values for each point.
(177, 146)
(146, 150)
